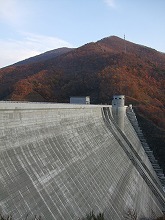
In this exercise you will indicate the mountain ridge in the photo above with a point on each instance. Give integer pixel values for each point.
(44, 56)
(100, 69)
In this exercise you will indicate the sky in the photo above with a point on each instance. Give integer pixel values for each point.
(31, 27)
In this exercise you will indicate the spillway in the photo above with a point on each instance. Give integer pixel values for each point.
(61, 161)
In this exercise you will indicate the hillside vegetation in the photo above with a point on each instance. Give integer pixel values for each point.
(100, 70)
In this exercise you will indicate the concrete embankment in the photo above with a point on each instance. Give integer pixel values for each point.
(62, 161)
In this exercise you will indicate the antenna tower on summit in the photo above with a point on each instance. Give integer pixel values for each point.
(125, 49)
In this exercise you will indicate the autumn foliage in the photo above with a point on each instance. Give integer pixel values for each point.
(100, 70)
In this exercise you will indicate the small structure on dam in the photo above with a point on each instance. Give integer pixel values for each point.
(61, 161)
(80, 100)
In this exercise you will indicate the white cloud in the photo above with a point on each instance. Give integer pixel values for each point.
(13, 51)
(43, 43)
(110, 3)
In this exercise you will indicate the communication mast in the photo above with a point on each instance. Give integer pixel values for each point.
(125, 48)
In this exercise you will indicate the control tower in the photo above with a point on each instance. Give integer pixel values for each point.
(119, 110)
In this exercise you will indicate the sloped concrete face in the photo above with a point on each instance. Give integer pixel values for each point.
(63, 161)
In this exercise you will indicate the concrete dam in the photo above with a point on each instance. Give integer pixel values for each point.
(61, 161)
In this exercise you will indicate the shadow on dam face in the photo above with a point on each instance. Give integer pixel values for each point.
(63, 161)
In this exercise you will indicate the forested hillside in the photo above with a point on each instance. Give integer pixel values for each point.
(100, 70)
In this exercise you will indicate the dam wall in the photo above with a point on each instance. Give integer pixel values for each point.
(61, 161)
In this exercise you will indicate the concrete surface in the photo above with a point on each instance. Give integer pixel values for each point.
(62, 161)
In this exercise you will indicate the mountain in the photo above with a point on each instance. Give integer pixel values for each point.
(100, 69)
(45, 56)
